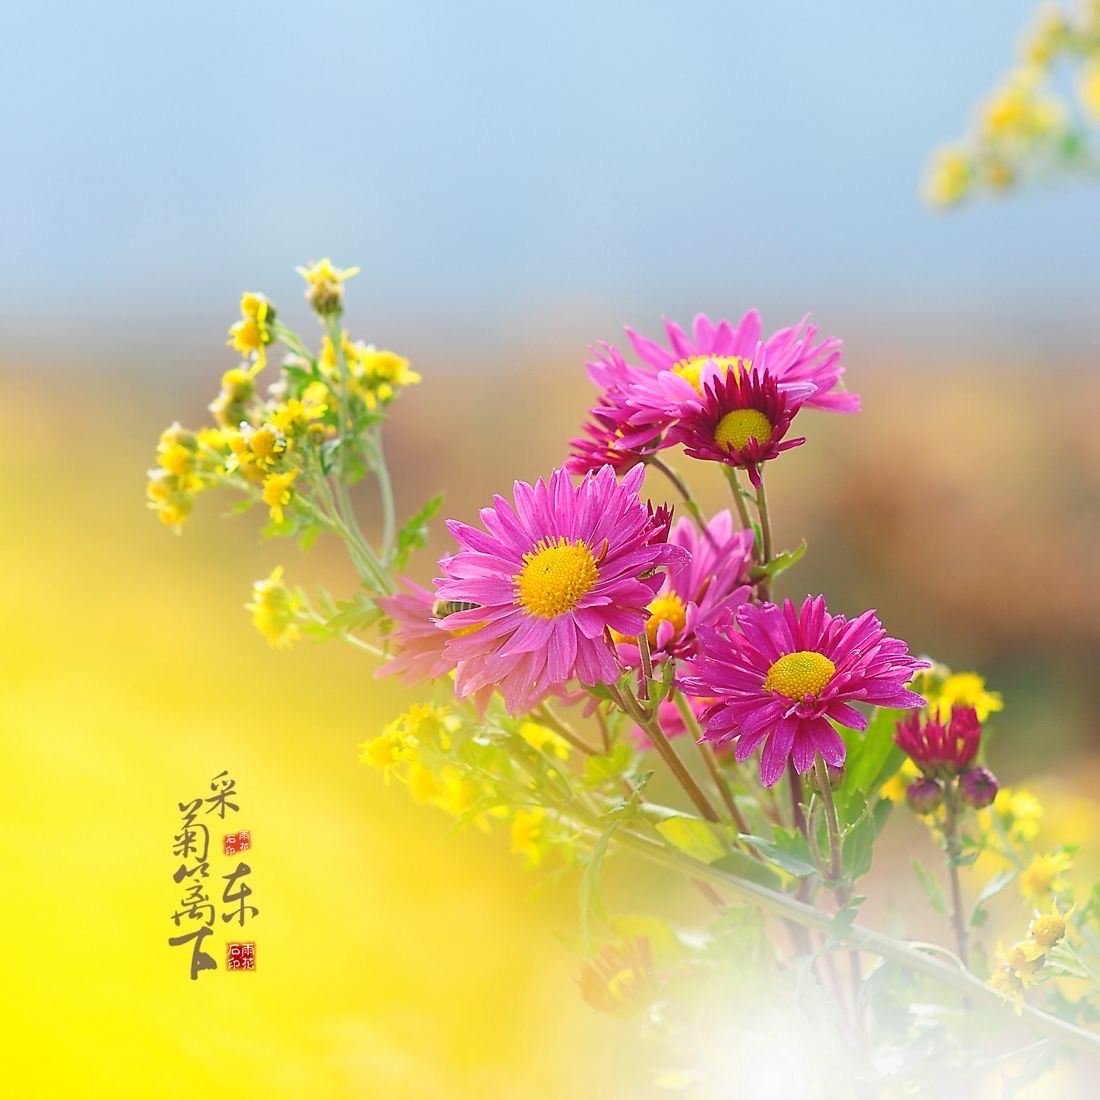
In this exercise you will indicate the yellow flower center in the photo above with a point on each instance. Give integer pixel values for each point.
(800, 675)
(736, 428)
(1047, 931)
(556, 574)
(691, 369)
(668, 608)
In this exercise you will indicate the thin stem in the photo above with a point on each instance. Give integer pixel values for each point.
(385, 486)
(794, 781)
(647, 666)
(682, 488)
(711, 763)
(563, 729)
(765, 533)
(738, 496)
(652, 727)
(953, 850)
(826, 791)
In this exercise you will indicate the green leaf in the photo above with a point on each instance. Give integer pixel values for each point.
(600, 769)
(694, 837)
(780, 563)
(871, 758)
(789, 850)
(932, 888)
(414, 534)
(845, 918)
(857, 850)
(992, 889)
(744, 866)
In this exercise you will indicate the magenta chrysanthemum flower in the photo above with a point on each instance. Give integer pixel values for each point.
(551, 577)
(603, 442)
(941, 749)
(790, 353)
(742, 422)
(785, 675)
(706, 593)
(418, 655)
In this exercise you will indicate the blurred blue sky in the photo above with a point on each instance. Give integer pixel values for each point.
(488, 161)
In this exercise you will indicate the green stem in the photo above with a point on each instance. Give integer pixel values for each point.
(738, 496)
(712, 767)
(682, 488)
(563, 729)
(953, 850)
(826, 791)
(652, 727)
(385, 486)
(765, 533)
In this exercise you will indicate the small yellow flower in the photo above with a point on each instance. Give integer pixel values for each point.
(298, 414)
(1043, 875)
(967, 688)
(1049, 929)
(1088, 87)
(544, 740)
(1025, 960)
(325, 285)
(1019, 111)
(457, 795)
(1008, 984)
(527, 834)
(1019, 812)
(950, 176)
(275, 610)
(421, 783)
(251, 334)
(277, 493)
(230, 407)
(1047, 38)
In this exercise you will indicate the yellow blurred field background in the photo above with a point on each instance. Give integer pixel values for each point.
(392, 960)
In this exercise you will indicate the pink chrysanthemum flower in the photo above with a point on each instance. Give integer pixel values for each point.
(785, 675)
(418, 652)
(941, 749)
(742, 422)
(790, 353)
(706, 593)
(551, 577)
(603, 442)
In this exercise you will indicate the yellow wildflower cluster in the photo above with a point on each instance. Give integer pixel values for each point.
(375, 375)
(944, 688)
(1026, 127)
(187, 462)
(411, 749)
(275, 610)
(1021, 966)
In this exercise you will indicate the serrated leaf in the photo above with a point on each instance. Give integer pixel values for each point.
(932, 888)
(788, 850)
(694, 837)
(780, 563)
(414, 534)
(590, 902)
